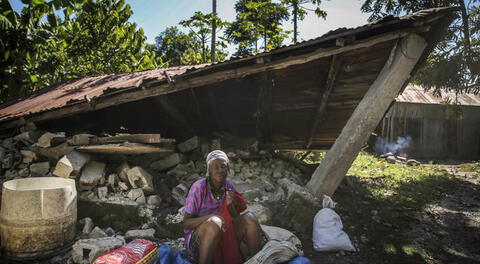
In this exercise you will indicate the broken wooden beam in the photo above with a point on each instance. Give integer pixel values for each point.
(125, 148)
(396, 71)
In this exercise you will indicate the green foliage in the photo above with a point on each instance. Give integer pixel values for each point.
(257, 20)
(299, 11)
(455, 63)
(94, 37)
(179, 48)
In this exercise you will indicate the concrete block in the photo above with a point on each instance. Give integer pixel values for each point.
(70, 164)
(189, 145)
(167, 162)
(140, 178)
(51, 139)
(40, 168)
(143, 234)
(93, 174)
(85, 251)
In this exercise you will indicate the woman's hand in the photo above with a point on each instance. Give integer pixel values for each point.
(230, 197)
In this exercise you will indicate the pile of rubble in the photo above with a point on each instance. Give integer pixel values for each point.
(134, 186)
(392, 158)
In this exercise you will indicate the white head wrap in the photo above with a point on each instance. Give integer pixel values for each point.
(216, 154)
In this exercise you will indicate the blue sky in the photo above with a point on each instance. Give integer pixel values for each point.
(156, 15)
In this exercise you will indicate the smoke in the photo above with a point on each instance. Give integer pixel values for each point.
(383, 146)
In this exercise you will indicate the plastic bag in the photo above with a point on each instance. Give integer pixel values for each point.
(300, 260)
(327, 230)
(167, 256)
(138, 251)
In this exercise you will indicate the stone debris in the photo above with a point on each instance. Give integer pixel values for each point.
(92, 175)
(113, 179)
(189, 145)
(148, 234)
(140, 178)
(167, 162)
(70, 164)
(122, 170)
(88, 225)
(154, 200)
(179, 193)
(137, 195)
(85, 251)
(102, 192)
(393, 159)
(51, 139)
(40, 168)
(97, 232)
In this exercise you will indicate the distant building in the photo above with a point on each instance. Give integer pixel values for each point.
(428, 126)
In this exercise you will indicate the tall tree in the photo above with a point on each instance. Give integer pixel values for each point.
(200, 26)
(94, 37)
(258, 20)
(299, 11)
(172, 45)
(214, 30)
(455, 63)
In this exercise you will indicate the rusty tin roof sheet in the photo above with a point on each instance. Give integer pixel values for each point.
(417, 94)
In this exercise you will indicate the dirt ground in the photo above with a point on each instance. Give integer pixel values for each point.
(446, 230)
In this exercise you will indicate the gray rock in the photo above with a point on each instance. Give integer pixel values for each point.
(179, 193)
(391, 159)
(189, 145)
(25, 172)
(137, 195)
(102, 192)
(110, 231)
(28, 156)
(168, 162)
(85, 251)
(140, 233)
(97, 232)
(113, 179)
(93, 174)
(7, 161)
(70, 164)
(50, 139)
(88, 225)
(412, 162)
(123, 186)
(122, 171)
(263, 214)
(140, 178)
(154, 200)
(40, 168)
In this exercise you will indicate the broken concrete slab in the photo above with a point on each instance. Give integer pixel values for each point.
(70, 164)
(85, 251)
(140, 178)
(40, 168)
(167, 162)
(140, 233)
(51, 139)
(123, 186)
(189, 145)
(93, 174)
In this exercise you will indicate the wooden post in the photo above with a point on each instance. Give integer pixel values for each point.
(382, 92)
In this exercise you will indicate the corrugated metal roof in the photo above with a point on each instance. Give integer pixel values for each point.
(85, 89)
(417, 94)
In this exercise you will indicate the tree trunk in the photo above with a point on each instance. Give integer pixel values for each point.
(295, 18)
(403, 58)
(466, 33)
(214, 29)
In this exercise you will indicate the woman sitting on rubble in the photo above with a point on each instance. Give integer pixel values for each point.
(213, 226)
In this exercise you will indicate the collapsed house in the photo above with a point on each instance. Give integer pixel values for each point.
(328, 93)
